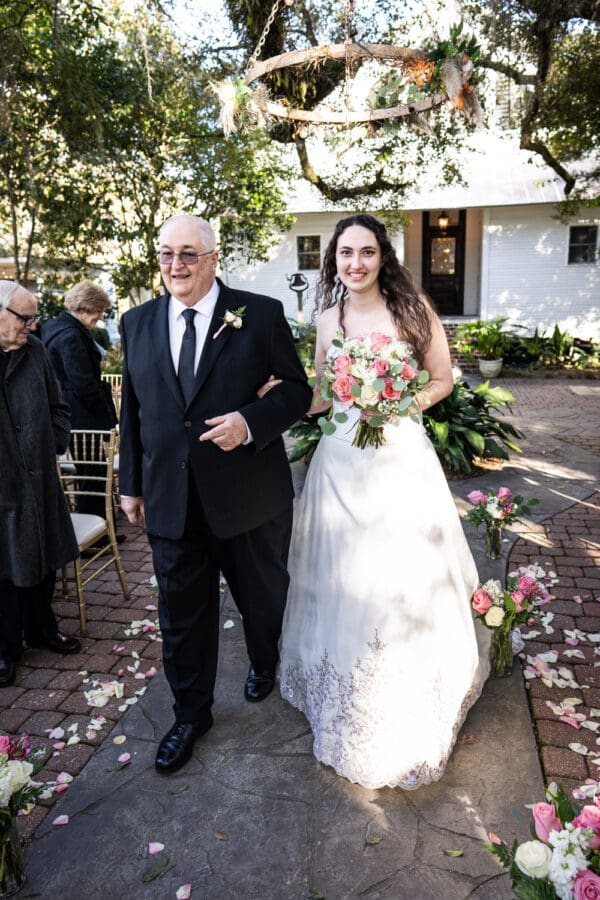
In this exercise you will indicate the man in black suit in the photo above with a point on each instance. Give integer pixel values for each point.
(203, 461)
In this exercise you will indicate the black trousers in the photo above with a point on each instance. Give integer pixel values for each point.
(187, 572)
(26, 612)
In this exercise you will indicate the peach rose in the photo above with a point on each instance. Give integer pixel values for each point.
(388, 392)
(546, 820)
(342, 363)
(341, 387)
(408, 372)
(380, 366)
(379, 340)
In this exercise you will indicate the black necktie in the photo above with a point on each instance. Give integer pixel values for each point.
(187, 356)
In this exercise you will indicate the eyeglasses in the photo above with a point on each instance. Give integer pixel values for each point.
(187, 257)
(26, 320)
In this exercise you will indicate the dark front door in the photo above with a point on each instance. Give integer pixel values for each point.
(444, 264)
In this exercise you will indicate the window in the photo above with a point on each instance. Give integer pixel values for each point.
(309, 251)
(582, 244)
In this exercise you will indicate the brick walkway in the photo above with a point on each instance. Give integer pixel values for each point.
(569, 544)
(49, 691)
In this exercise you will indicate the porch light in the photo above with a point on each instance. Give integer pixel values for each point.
(443, 220)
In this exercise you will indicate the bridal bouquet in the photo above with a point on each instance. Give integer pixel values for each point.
(376, 374)
(501, 609)
(564, 861)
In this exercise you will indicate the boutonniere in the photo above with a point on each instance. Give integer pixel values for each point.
(232, 317)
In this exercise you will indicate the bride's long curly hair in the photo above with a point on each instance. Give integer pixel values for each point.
(408, 308)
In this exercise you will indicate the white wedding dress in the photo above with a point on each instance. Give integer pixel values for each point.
(378, 647)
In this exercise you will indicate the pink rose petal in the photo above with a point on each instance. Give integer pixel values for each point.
(155, 847)
(61, 820)
(494, 839)
(569, 721)
(60, 788)
(124, 758)
(184, 892)
(59, 745)
(572, 642)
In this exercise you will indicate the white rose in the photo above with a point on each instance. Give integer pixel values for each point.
(228, 317)
(360, 370)
(13, 777)
(369, 395)
(493, 509)
(533, 859)
(494, 616)
(237, 322)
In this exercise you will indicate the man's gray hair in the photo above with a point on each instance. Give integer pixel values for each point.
(7, 289)
(205, 228)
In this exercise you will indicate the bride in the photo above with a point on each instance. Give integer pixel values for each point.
(378, 647)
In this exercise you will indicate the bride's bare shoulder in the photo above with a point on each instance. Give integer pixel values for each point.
(328, 322)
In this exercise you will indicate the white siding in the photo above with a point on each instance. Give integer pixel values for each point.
(525, 274)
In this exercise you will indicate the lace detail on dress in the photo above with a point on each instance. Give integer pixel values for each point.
(349, 716)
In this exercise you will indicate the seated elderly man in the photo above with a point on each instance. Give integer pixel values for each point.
(36, 535)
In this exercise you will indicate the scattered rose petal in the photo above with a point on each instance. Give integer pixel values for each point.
(227, 624)
(577, 598)
(119, 739)
(64, 778)
(124, 758)
(452, 852)
(60, 788)
(569, 721)
(151, 606)
(74, 739)
(494, 839)
(184, 892)
(155, 847)
(59, 745)
(55, 733)
(468, 739)
(118, 648)
(90, 734)
(221, 835)
(579, 748)
(61, 820)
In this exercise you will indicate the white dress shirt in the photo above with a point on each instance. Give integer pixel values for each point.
(205, 309)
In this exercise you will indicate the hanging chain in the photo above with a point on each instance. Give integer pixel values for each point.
(349, 14)
(263, 37)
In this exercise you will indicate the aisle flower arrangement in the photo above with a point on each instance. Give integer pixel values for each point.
(501, 609)
(495, 511)
(18, 793)
(563, 862)
(375, 374)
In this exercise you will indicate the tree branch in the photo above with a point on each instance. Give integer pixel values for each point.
(335, 193)
(518, 77)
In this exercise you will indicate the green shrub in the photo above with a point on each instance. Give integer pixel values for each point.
(462, 427)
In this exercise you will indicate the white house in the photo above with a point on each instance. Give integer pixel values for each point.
(502, 250)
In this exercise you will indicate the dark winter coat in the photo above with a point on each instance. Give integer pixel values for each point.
(76, 360)
(36, 535)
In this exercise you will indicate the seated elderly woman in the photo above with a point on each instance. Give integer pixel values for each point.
(36, 535)
(76, 359)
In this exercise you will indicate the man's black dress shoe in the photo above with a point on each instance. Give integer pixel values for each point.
(258, 685)
(59, 644)
(8, 670)
(176, 747)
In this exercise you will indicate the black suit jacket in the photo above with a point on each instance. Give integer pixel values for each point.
(240, 489)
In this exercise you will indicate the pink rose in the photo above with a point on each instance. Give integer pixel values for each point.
(589, 817)
(379, 340)
(507, 510)
(342, 364)
(481, 601)
(341, 388)
(504, 493)
(388, 393)
(477, 497)
(546, 820)
(586, 886)
(519, 598)
(528, 586)
(4, 744)
(380, 366)
(408, 373)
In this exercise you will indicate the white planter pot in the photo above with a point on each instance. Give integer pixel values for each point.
(489, 368)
